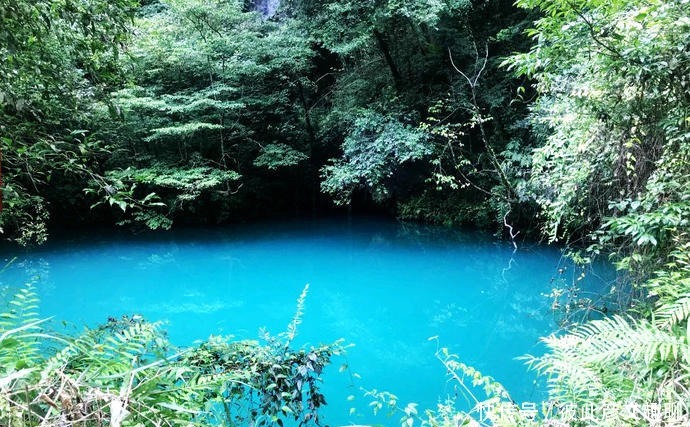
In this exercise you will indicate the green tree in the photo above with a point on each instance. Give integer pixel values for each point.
(60, 60)
(213, 109)
(613, 108)
(407, 64)
(613, 170)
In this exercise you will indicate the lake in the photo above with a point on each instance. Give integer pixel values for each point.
(384, 286)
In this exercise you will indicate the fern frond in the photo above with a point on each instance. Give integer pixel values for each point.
(21, 309)
(566, 373)
(102, 352)
(611, 359)
(674, 313)
(616, 339)
(22, 328)
(20, 317)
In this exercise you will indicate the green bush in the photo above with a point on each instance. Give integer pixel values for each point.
(126, 373)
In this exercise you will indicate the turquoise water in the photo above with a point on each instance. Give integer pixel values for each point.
(384, 286)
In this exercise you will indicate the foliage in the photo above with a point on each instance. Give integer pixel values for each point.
(216, 110)
(152, 194)
(451, 209)
(213, 101)
(345, 27)
(394, 62)
(497, 409)
(612, 110)
(252, 97)
(124, 373)
(59, 60)
(276, 156)
(612, 170)
(623, 364)
(373, 151)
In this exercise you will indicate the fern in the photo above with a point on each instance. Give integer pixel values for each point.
(18, 323)
(106, 352)
(569, 377)
(118, 372)
(123, 374)
(624, 359)
(614, 339)
(674, 313)
(672, 283)
(616, 359)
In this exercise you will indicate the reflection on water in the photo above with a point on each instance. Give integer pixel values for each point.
(383, 286)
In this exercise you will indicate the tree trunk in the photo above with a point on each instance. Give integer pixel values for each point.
(385, 50)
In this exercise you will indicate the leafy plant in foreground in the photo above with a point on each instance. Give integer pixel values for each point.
(125, 374)
(497, 409)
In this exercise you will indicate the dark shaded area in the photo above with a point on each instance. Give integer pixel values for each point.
(221, 116)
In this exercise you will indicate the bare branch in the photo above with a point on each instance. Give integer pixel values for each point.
(450, 55)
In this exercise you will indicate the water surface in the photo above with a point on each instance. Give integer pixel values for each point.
(381, 285)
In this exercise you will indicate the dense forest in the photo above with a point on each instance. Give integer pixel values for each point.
(565, 120)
